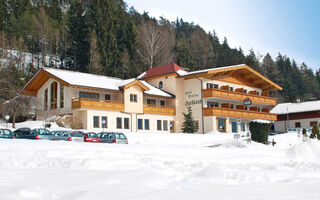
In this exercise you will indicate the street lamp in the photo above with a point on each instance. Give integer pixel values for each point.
(7, 117)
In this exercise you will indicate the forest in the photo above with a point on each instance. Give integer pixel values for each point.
(109, 38)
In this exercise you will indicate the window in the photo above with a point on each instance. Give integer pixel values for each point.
(133, 98)
(53, 99)
(95, 122)
(107, 97)
(61, 96)
(298, 125)
(216, 86)
(140, 127)
(45, 99)
(210, 104)
(104, 122)
(146, 124)
(231, 89)
(246, 107)
(89, 95)
(259, 109)
(126, 123)
(313, 123)
(151, 102)
(258, 93)
(165, 125)
(245, 91)
(243, 127)
(232, 106)
(216, 104)
(209, 85)
(119, 123)
(159, 125)
(162, 103)
(160, 84)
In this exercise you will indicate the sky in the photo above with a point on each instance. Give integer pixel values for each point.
(291, 27)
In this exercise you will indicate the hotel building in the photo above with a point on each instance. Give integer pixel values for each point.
(223, 99)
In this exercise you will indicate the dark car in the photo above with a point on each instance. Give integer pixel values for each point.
(113, 138)
(34, 134)
(6, 134)
(68, 136)
(91, 137)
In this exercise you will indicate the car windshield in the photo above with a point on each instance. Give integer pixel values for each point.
(44, 132)
(23, 131)
(76, 134)
(92, 135)
(120, 136)
(7, 132)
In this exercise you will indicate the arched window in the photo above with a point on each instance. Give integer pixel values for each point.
(53, 95)
(160, 84)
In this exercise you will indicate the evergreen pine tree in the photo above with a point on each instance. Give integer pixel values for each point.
(189, 125)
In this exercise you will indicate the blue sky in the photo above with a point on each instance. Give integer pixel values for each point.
(291, 27)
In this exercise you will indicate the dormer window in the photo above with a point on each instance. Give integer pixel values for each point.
(160, 84)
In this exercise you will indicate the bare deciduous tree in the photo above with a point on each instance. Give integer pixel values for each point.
(153, 44)
(19, 106)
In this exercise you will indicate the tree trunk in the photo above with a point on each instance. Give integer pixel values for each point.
(14, 120)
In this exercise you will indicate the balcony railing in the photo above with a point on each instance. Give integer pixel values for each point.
(239, 96)
(236, 113)
(97, 104)
(158, 110)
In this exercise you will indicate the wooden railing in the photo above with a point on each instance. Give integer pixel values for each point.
(97, 104)
(158, 110)
(236, 113)
(239, 96)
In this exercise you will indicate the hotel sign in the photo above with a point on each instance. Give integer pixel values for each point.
(247, 101)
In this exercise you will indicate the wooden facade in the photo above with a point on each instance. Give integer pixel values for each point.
(159, 110)
(236, 113)
(300, 115)
(239, 96)
(97, 104)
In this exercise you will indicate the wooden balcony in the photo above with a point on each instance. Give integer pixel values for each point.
(239, 96)
(159, 110)
(225, 112)
(97, 104)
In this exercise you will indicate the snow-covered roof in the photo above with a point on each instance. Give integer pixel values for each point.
(286, 108)
(211, 69)
(99, 81)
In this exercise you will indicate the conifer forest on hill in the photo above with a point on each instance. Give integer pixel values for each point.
(107, 37)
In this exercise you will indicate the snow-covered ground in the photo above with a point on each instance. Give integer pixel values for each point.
(160, 166)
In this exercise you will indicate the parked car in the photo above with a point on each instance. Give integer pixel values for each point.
(113, 138)
(68, 136)
(91, 137)
(34, 134)
(6, 134)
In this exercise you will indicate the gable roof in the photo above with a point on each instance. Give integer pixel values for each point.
(72, 78)
(229, 70)
(162, 70)
(286, 108)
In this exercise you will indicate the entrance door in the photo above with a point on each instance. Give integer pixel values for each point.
(234, 127)
(221, 125)
(171, 126)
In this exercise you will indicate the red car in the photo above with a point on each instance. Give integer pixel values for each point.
(91, 137)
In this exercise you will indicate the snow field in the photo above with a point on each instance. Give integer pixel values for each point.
(160, 166)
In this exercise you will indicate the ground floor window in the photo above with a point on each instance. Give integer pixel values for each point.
(165, 125)
(146, 124)
(243, 127)
(95, 122)
(297, 125)
(313, 123)
(159, 125)
(119, 123)
(126, 123)
(140, 127)
(234, 127)
(104, 122)
(221, 125)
